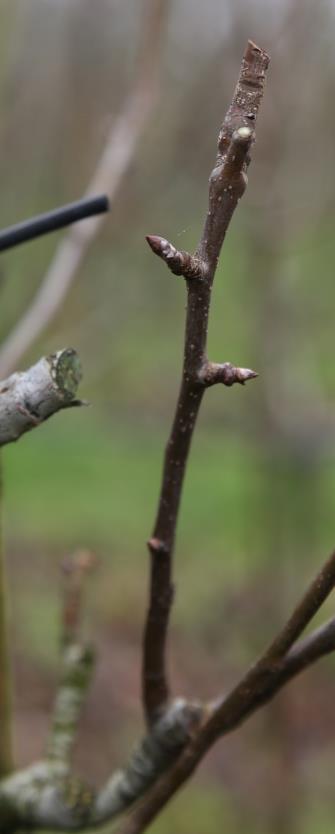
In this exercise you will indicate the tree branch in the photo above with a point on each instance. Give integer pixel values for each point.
(227, 184)
(6, 753)
(47, 796)
(30, 397)
(116, 158)
(311, 602)
(77, 661)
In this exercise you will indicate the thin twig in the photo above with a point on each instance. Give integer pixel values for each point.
(316, 594)
(121, 146)
(227, 184)
(75, 567)
(6, 752)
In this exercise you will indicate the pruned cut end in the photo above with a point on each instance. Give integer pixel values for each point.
(66, 371)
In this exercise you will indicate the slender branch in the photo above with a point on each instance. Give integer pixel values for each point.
(315, 596)
(30, 397)
(75, 567)
(227, 184)
(118, 153)
(6, 754)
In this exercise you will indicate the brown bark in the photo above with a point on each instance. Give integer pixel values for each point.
(227, 184)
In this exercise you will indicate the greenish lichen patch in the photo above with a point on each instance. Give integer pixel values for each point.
(66, 371)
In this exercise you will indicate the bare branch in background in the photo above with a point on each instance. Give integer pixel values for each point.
(47, 794)
(75, 567)
(119, 151)
(77, 661)
(227, 184)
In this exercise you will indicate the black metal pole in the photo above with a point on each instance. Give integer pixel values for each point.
(51, 221)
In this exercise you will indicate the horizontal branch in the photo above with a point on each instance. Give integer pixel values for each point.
(30, 397)
(227, 374)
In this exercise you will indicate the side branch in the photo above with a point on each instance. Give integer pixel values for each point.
(311, 602)
(178, 261)
(30, 397)
(226, 374)
(227, 183)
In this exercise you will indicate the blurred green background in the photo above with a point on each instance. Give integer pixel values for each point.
(258, 507)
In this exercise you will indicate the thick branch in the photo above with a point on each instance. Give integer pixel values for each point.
(47, 796)
(30, 397)
(227, 183)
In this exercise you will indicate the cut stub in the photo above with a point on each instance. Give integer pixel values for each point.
(29, 397)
